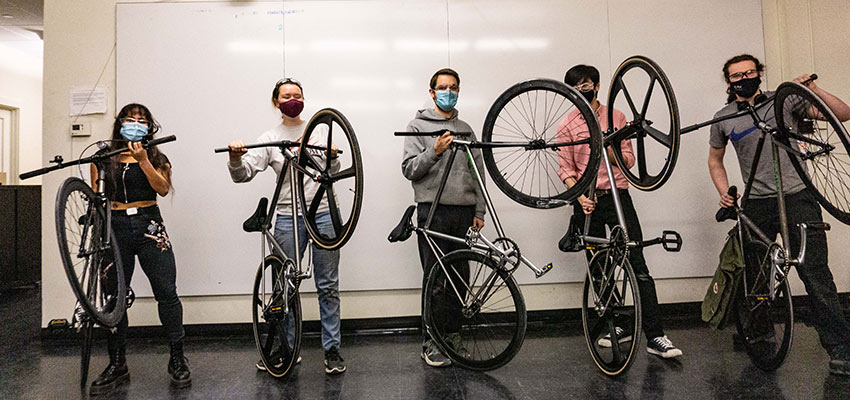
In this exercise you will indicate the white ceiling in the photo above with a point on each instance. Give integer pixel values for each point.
(26, 22)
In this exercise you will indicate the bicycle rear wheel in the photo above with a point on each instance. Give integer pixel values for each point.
(532, 112)
(474, 310)
(803, 117)
(767, 326)
(610, 313)
(271, 314)
(654, 126)
(90, 256)
(340, 180)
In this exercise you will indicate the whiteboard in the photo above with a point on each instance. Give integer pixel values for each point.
(206, 71)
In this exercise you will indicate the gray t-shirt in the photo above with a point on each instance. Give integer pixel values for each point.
(745, 136)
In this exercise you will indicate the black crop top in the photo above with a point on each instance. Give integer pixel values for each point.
(130, 184)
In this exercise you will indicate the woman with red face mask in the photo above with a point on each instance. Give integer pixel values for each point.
(288, 97)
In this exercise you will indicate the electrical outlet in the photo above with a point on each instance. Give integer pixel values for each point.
(79, 129)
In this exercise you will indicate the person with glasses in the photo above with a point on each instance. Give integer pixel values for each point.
(288, 97)
(461, 204)
(572, 162)
(133, 180)
(743, 79)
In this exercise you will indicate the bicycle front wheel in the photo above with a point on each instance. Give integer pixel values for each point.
(276, 315)
(803, 117)
(533, 112)
(474, 310)
(90, 255)
(610, 313)
(765, 324)
(339, 180)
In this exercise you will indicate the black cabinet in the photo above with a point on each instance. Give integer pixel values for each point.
(20, 235)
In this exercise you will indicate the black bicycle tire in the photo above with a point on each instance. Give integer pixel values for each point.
(647, 65)
(85, 357)
(584, 181)
(795, 89)
(357, 163)
(295, 308)
(636, 329)
(112, 318)
(518, 336)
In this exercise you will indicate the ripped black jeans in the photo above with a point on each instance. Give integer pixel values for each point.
(143, 235)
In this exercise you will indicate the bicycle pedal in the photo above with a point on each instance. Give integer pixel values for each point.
(544, 270)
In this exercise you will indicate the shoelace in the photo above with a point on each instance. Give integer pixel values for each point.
(664, 342)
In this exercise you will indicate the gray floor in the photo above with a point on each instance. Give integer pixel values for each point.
(553, 364)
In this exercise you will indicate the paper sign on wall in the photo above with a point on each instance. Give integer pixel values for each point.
(88, 100)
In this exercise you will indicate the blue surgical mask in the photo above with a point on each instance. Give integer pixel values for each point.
(134, 131)
(446, 99)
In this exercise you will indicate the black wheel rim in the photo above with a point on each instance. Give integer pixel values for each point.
(531, 112)
(641, 90)
(340, 180)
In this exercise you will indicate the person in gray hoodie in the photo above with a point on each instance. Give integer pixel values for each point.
(461, 204)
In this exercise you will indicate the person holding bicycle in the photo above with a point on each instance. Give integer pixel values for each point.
(461, 205)
(133, 180)
(573, 160)
(288, 97)
(742, 74)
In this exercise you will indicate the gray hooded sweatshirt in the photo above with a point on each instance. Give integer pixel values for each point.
(423, 167)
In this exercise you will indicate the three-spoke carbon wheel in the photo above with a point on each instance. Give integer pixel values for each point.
(808, 125)
(652, 123)
(276, 312)
(610, 313)
(474, 310)
(340, 179)
(89, 252)
(534, 113)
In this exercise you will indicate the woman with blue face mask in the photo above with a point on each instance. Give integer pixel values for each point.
(134, 179)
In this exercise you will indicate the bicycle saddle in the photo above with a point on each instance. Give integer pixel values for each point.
(570, 243)
(254, 223)
(404, 228)
(724, 214)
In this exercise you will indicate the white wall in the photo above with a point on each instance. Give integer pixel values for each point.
(20, 89)
(76, 53)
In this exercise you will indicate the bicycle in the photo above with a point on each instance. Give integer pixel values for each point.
(88, 249)
(275, 300)
(763, 307)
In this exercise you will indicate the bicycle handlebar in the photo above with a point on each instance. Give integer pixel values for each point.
(281, 143)
(433, 133)
(100, 155)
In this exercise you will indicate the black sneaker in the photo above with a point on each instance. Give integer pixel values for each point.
(662, 347)
(334, 364)
(432, 355)
(622, 337)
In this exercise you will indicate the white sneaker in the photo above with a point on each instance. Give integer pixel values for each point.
(605, 341)
(662, 347)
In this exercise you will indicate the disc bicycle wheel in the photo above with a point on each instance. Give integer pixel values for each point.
(90, 256)
(610, 313)
(653, 124)
(536, 113)
(474, 310)
(271, 315)
(803, 117)
(339, 180)
(767, 326)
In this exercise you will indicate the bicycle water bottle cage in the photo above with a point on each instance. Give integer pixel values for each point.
(404, 228)
(254, 223)
(671, 241)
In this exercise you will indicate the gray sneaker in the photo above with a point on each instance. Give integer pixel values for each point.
(432, 355)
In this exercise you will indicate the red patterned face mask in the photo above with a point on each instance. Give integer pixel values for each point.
(291, 108)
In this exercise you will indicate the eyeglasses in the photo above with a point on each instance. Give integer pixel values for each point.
(453, 88)
(288, 80)
(741, 75)
(585, 86)
(130, 120)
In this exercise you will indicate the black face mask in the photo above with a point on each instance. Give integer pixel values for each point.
(746, 88)
(588, 95)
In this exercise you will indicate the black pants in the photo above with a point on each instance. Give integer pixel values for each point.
(144, 235)
(827, 314)
(451, 220)
(606, 214)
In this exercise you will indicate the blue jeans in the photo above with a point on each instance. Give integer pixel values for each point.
(325, 273)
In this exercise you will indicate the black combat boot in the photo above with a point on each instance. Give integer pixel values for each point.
(115, 373)
(178, 367)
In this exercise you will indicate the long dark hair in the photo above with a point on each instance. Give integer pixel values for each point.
(156, 157)
(734, 60)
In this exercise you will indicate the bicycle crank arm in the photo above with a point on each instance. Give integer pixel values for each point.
(540, 272)
(805, 228)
